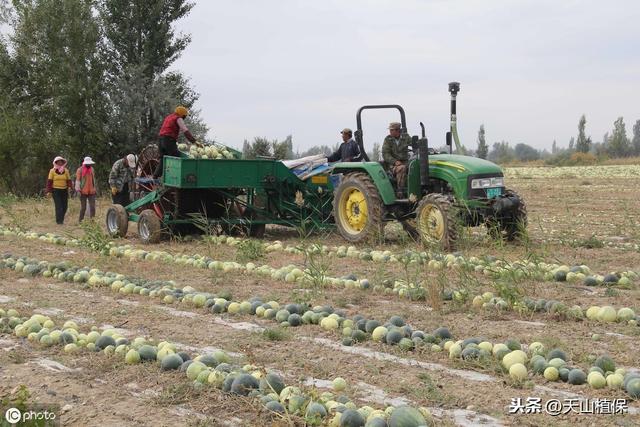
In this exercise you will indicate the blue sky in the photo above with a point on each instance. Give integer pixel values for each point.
(528, 69)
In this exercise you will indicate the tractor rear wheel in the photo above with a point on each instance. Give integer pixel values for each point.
(513, 227)
(117, 221)
(358, 208)
(149, 227)
(437, 221)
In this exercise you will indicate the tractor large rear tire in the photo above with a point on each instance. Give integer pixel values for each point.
(358, 209)
(117, 221)
(149, 227)
(437, 221)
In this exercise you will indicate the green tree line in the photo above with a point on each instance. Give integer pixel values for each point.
(613, 145)
(86, 78)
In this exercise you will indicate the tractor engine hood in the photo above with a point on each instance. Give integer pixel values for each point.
(465, 165)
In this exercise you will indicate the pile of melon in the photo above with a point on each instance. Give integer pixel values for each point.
(217, 370)
(519, 361)
(488, 265)
(212, 151)
(575, 312)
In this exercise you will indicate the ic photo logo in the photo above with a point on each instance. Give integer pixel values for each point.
(13, 415)
(37, 415)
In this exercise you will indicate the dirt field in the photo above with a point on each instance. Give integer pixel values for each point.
(573, 220)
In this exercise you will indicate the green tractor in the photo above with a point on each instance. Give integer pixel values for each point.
(444, 192)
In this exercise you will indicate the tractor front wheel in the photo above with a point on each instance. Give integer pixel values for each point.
(358, 208)
(436, 221)
(149, 227)
(117, 221)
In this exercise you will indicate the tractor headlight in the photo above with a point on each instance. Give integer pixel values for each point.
(487, 182)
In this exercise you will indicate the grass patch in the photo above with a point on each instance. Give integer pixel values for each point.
(276, 334)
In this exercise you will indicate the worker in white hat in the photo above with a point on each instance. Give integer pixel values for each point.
(121, 179)
(86, 187)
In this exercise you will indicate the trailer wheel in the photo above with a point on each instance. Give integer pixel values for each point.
(513, 227)
(437, 221)
(358, 208)
(117, 221)
(149, 227)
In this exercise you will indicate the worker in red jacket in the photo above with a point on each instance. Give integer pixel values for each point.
(172, 125)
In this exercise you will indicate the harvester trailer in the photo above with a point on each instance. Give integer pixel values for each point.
(444, 192)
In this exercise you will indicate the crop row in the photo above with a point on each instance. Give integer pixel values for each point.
(488, 266)
(216, 370)
(356, 329)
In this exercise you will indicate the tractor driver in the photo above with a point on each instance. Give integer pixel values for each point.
(395, 154)
(348, 150)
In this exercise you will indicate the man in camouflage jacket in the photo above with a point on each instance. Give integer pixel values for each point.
(395, 154)
(121, 179)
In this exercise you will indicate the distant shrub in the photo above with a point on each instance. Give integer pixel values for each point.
(582, 159)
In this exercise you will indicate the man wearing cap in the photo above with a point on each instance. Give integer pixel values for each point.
(395, 154)
(348, 150)
(171, 127)
(121, 179)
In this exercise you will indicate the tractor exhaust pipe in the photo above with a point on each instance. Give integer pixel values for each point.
(454, 88)
(423, 160)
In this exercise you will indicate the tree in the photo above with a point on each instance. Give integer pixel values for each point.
(501, 152)
(141, 43)
(141, 33)
(55, 86)
(619, 143)
(572, 143)
(261, 147)
(483, 148)
(583, 143)
(526, 153)
(635, 142)
(283, 150)
(375, 153)
(554, 147)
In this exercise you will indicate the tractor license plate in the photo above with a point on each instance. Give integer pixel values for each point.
(494, 192)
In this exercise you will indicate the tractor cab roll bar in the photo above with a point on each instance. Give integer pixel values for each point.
(358, 134)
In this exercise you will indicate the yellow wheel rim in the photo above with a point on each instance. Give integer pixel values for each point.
(431, 223)
(353, 211)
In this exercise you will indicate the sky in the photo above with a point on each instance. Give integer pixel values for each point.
(528, 69)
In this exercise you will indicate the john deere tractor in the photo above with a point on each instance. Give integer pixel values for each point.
(445, 191)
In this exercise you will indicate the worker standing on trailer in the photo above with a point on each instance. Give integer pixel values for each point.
(395, 154)
(348, 150)
(121, 179)
(171, 127)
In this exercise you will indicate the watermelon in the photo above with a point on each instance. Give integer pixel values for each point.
(397, 321)
(271, 382)
(276, 407)
(442, 333)
(147, 352)
(371, 325)
(576, 377)
(315, 413)
(633, 388)
(606, 364)
(513, 344)
(170, 362)
(406, 344)
(104, 341)
(243, 384)
(376, 422)
(556, 353)
(406, 416)
(394, 336)
(351, 418)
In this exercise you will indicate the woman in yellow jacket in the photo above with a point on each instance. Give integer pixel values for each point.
(58, 184)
